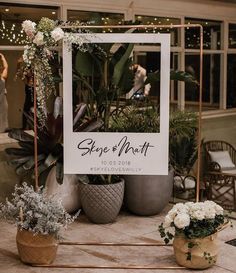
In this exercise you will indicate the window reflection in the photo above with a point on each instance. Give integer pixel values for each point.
(211, 79)
(231, 81)
(211, 34)
(97, 18)
(154, 20)
(11, 18)
(232, 35)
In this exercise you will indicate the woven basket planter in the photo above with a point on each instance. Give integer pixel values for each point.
(208, 244)
(36, 248)
(102, 203)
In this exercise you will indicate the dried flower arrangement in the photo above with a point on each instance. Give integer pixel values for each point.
(35, 212)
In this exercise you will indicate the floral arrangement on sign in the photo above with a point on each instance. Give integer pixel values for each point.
(192, 221)
(35, 212)
(42, 38)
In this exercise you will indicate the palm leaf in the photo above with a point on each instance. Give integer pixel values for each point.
(119, 66)
(174, 75)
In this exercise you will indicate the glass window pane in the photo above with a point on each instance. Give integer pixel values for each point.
(97, 18)
(231, 81)
(12, 18)
(211, 79)
(232, 35)
(153, 20)
(151, 62)
(211, 34)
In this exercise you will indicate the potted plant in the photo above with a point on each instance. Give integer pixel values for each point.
(101, 75)
(38, 220)
(102, 197)
(149, 194)
(194, 227)
(50, 155)
(183, 153)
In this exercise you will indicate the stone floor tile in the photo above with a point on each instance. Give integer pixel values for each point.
(127, 228)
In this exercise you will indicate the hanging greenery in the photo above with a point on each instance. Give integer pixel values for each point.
(43, 37)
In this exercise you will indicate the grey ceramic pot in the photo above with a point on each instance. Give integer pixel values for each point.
(148, 194)
(102, 203)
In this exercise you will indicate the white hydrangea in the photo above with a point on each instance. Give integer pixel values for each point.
(219, 210)
(198, 215)
(57, 34)
(182, 220)
(167, 222)
(29, 27)
(39, 38)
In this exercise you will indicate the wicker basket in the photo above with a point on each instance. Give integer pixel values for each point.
(36, 249)
(201, 245)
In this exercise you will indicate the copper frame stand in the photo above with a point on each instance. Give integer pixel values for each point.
(198, 157)
(147, 267)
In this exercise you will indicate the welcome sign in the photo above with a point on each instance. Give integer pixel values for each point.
(117, 153)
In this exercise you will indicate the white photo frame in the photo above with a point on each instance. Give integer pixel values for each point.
(117, 153)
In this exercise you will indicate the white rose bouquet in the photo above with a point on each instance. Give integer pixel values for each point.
(192, 220)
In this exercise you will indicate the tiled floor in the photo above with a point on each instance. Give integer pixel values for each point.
(127, 228)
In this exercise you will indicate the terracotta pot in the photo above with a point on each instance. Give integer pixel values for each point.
(208, 244)
(102, 203)
(36, 249)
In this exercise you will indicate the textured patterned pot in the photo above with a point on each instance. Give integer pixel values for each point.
(148, 194)
(201, 245)
(102, 203)
(36, 249)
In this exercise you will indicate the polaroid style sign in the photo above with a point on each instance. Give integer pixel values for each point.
(117, 153)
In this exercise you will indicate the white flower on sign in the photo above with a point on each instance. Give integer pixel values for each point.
(39, 39)
(182, 220)
(57, 34)
(29, 28)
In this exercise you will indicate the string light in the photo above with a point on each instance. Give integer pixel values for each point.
(11, 34)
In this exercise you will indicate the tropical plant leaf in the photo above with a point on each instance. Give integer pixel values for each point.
(174, 75)
(18, 151)
(31, 162)
(94, 126)
(27, 145)
(59, 172)
(127, 79)
(21, 171)
(20, 160)
(87, 65)
(80, 112)
(119, 66)
(20, 135)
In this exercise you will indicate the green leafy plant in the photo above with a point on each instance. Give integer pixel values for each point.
(135, 119)
(182, 141)
(103, 75)
(50, 148)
